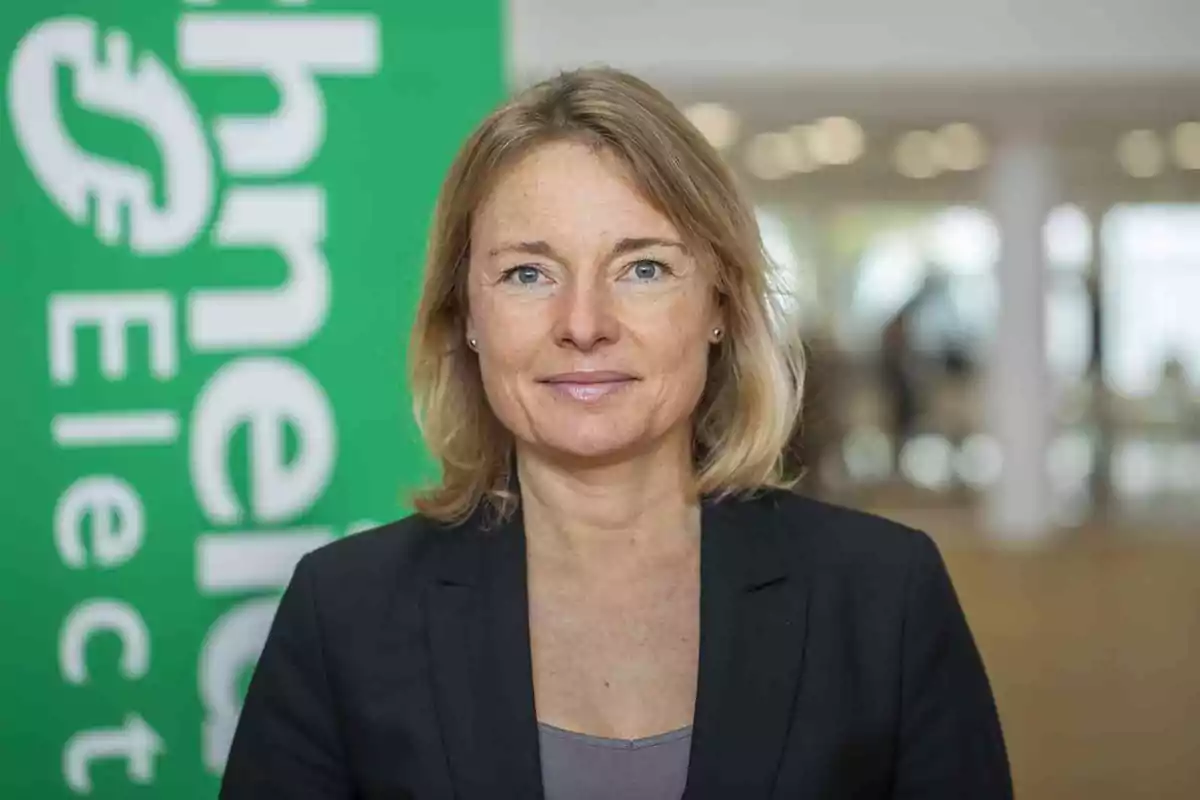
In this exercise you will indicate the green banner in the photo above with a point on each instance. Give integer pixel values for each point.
(212, 221)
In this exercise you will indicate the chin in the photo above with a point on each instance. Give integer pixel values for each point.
(598, 443)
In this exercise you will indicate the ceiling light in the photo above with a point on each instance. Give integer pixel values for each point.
(800, 154)
(1141, 153)
(1186, 145)
(959, 146)
(717, 123)
(769, 156)
(772, 156)
(835, 140)
(914, 155)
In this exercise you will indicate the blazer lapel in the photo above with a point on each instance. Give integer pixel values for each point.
(753, 605)
(477, 612)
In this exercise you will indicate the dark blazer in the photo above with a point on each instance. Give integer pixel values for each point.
(835, 662)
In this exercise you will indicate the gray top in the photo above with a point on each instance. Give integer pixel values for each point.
(576, 766)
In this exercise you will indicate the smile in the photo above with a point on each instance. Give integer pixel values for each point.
(589, 387)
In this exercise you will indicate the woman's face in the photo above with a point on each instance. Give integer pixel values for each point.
(592, 320)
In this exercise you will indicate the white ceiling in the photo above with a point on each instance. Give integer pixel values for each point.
(698, 41)
(1084, 69)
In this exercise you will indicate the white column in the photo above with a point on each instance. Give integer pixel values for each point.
(1021, 189)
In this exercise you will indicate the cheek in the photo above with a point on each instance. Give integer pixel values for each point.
(677, 321)
(500, 368)
(673, 332)
(510, 337)
(508, 329)
(688, 369)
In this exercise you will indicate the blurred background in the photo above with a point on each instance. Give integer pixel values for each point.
(987, 217)
(984, 215)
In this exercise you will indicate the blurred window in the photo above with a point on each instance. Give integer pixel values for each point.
(793, 283)
(1068, 243)
(942, 257)
(1151, 287)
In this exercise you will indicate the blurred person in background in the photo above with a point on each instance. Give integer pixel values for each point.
(1100, 478)
(899, 380)
(1177, 395)
(613, 591)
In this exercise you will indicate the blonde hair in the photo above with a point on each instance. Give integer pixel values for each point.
(751, 403)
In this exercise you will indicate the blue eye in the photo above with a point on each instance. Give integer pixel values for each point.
(647, 270)
(527, 276)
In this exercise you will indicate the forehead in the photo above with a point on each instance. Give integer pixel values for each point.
(568, 189)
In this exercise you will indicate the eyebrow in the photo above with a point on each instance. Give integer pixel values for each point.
(624, 247)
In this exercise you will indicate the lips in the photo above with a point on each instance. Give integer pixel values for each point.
(589, 386)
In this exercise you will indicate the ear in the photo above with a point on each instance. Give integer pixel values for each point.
(469, 333)
(716, 319)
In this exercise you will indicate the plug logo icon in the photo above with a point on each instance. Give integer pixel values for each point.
(145, 94)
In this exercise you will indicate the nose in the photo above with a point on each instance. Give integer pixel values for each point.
(587, 316)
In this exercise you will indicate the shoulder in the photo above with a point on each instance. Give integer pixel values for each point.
(398, 556)
(864, 567)
(848, 541)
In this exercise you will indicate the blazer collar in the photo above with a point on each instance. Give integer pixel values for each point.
(753, 601)
(752, 627)
(478, 618)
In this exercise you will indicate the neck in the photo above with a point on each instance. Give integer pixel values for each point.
(597, 515)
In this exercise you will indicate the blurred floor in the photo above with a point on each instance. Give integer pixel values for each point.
(1088, 643)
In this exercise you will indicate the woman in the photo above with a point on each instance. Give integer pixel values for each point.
(612, 593)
